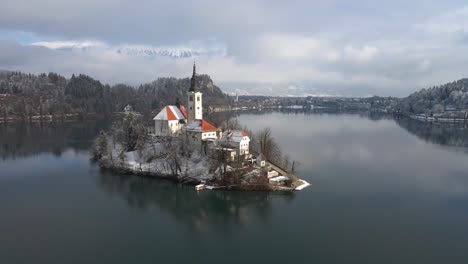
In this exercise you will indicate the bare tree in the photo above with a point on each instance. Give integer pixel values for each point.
(218, 158)
(141, 142)
(285, 161)
(294, 166)
(100, 147)
(122, 158)
(268, 146)
(173, 158)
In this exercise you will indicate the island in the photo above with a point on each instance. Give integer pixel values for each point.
(184, 147)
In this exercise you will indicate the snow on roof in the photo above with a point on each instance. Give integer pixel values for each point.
(201, 126)
(279, 179)
(235, 136)
(170, 112)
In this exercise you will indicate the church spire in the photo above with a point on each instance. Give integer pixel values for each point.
(193, 83)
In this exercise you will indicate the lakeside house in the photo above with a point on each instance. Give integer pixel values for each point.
(128, 109)
(238, 140)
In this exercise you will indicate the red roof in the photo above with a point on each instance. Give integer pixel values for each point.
(244, 134)
(170, 114)
(182, 109)
(207, 127)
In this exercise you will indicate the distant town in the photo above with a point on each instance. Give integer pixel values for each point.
(384, 104)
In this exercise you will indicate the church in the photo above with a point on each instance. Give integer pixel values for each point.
(173, 120)
(170, 121)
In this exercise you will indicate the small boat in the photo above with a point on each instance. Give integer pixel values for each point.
(200, 187)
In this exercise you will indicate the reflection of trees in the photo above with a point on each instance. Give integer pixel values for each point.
(214, 210)
(25, 139)
(442, 134)
(217, 117)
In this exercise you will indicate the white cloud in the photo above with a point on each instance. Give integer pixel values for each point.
(363, 54)
(357, 72)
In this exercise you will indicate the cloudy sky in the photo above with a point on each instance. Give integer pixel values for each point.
(351, 48)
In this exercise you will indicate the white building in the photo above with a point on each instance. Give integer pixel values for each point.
(170, 121)
(261, 161)
(237, 139)
(128, 109)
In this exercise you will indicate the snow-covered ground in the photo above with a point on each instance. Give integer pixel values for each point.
(158, 158)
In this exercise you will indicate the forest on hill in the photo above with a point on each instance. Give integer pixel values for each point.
(26, 96)
(437, 99)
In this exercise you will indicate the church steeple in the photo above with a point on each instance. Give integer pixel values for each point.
(193, 83)
(194, 99)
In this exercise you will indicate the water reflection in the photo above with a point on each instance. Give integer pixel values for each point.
(442, 134)
(218, 117)
(26, 139)
(199, 211)
(375, 186)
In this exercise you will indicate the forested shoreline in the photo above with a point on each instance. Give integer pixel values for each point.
(52, 96)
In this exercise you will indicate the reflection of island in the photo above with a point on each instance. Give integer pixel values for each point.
(442, 134)
(26, 139)
(213, 210)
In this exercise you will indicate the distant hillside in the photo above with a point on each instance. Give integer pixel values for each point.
(28, 95)
(450, 96)
(166, 90)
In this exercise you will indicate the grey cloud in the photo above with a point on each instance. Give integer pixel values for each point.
(305, 47)
(166, 22)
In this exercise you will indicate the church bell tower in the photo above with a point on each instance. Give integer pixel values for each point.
(194, 99)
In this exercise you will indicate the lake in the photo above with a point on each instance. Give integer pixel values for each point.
(383, 191)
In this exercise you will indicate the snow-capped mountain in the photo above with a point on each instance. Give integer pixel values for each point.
(68, 45)
(172, 52)
(145, 51)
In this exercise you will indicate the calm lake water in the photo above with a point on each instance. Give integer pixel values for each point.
(383, 191)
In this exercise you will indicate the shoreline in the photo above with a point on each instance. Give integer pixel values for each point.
(189, 181)
(441, 120)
